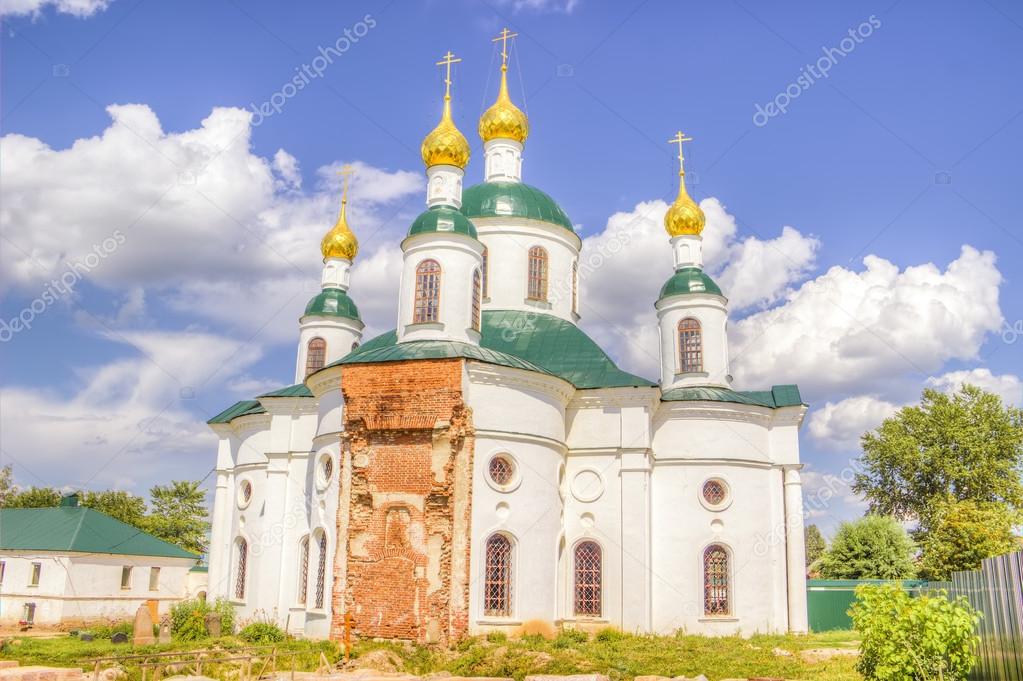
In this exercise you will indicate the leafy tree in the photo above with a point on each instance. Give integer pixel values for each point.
(179, 514)
(958, 447)
(33, 497)
(873, 547)
(964, 533)
(815, 544)
(124, 506)
(6, 484)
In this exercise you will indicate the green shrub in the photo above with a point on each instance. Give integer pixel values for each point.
(497, 637)
(188, 618)
(913, 639)
(262, 633)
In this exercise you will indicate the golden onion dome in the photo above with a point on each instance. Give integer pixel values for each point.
(504, 120)
(684, 216)
(340, 242)
(446, 145)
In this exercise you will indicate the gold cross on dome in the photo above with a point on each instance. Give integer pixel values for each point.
(678, 139)
(447, 61)
(346, 172)
(504, 37)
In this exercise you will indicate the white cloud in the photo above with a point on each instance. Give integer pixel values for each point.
(848, 331)
(128, 423)
(210, 226)
(78, 8)
(634, 248)
(839, 425)
(1006, 386)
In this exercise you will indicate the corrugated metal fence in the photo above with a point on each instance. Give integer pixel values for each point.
(996, 590)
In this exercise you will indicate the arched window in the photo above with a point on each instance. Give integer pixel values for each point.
(303, 570)
(716, 587)
(575, 287)
(486, 272)
(588, 579)
(537, 274)
(427, 306)
(690, 346)
(241, 565)
(497, 578)
(316, 355)
(321, 570)
(476, 293)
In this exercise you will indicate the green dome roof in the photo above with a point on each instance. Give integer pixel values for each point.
(514, 199)
(332, 302)
(442, 219)
(689, 280)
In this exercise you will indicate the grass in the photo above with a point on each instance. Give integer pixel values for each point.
(624, 656)
(618, 655)
(68, 651)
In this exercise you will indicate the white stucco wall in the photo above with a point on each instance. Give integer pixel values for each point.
(83, 588)
(508, 241)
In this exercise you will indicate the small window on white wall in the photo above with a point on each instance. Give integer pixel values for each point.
(154, 579)
(37, 570)
(126, 577)
(715, 494)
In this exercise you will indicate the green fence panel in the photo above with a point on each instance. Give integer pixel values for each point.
(828, 600)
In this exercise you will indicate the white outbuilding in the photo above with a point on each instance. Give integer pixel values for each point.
(72, 566)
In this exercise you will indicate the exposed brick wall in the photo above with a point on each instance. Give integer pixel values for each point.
(402, 565)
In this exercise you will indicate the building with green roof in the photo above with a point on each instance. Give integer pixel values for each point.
(72, 565)
(485, 461)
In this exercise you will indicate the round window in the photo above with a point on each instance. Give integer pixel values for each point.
(244, 493)
(328, 468)
(715, 493)
(502, 470)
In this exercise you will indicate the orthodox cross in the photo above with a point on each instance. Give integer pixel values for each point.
(447, 61)
(678, 139)
(505, 35)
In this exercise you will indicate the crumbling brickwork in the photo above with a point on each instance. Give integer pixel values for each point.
(402, 563)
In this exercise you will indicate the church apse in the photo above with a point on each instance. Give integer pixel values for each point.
(402, 565)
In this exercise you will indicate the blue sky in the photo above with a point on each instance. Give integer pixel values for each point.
(905, 153)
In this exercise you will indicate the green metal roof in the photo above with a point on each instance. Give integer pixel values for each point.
(775, 398)
(689, 280)
(560, 347)
(80, 530)
(442, 219)
(394, 352)
(242, 408)
(515, 199)
(297, 390)
(523, 340)
(332, 302)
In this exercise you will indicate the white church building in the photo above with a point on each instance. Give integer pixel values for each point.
(485, 464)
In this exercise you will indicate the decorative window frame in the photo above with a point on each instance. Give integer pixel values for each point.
(235, 558)
(512, 484)
(240, 499)
(587, 498)
(680, 350)
(543, 256)
(733, 601)
(314, 568)
(422, 294)
(572, 580)
(510, 618)
(319, 476)
(309, 370)
(729, 497)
